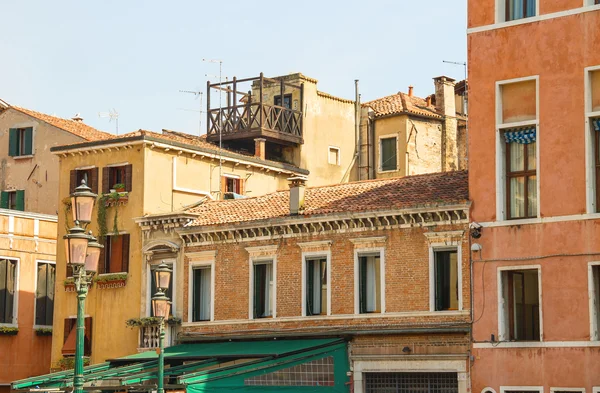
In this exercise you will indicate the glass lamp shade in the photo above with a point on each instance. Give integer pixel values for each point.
(76, 244)
(162, 277)
(93, 255)
(161, 305)
(82, 203)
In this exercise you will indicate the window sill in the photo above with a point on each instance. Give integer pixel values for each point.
(387, 171)
(22, 157)
(111, 280)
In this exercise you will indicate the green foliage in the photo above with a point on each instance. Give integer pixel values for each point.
(69, 281)
(119, 186)
(9, 331)
(151, 321)
(68, 363)
(111, 277)
(101, 218)
(43, 331)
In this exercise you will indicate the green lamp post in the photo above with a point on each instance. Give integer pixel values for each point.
(82, 254)
(161, 305)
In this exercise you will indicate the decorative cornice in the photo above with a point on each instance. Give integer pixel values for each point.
(201, 256)
(315, 246)
(262, 251)
(297, 226)
(167, 222)
(369, 242)
(444, 237)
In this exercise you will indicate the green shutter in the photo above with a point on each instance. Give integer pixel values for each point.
(362, 285)
(28, 141)
(20, 200)
(4, 200)
(310, 285)
(13, 142)
(3, 290)
(40, 294)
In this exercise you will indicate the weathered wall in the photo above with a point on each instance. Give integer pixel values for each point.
(26, 354)
(37, 174)
(424, 146)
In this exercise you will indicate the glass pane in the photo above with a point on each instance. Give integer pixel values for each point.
(517, 197)
(531, 156)
(388, 154)
(532, 196)
(517, 157)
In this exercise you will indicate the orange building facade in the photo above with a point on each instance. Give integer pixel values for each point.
(534, 178)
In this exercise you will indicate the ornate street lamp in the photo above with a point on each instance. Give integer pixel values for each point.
(161, 305)
(82, 252)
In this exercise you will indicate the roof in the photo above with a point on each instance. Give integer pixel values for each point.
(369, 195)
(74, 127)
(403, 103)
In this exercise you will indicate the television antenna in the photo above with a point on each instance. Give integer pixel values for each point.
(112, 115)
(197, 95)
(220, 62)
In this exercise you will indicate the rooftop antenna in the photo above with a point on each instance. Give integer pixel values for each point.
(112, 115)
(465, 99)
(220, 117)
(197, 94)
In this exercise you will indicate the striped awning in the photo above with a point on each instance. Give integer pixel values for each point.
(520, 135)
(596, 123)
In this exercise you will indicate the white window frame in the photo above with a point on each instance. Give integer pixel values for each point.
(590, 176)
(501, 191)
(509, 389)
(380, 156)
(554, 390)
(38, 261)
(256, 256)
(594, 310)
(488, 390)
(311, 255)
(433, 247)
(338, 155)
(502, 333)
(15, 318)
(596, 389)
(358, 252)
(501, 12)
(199, 264)
(172, 262)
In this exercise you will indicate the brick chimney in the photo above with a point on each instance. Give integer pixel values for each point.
(259, 148)
(297, 187)
(446, 106)
(410, 91)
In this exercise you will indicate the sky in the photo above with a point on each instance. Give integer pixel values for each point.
(65, 57)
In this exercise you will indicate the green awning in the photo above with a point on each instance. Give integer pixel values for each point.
(245, 365)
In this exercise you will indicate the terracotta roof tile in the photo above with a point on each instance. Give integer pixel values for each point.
(74, 127)
(402, 103)
(370, 195)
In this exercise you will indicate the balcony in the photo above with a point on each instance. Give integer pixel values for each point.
(250, 115)
(149, 337)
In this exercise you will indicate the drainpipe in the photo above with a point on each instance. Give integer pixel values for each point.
(357, 126)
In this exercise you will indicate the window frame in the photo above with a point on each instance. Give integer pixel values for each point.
(259, 260)
(20, 130)
(37, 262)
(282, 103)
(557, 389)
(509, 389)
(501, 12)
(503, 334)
(367, 251)
(380, 156)
(311, 255)
(201, 264)
(338, 155)
(591, 177)
(15, 318)
(502, 191)
(594, 310)
(433, 247)
(105, 254)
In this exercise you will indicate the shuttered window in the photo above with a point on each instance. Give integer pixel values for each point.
(20, 142)
(115, 176)
(388, 154)
(89, 175)
(115, 255)
(44, 294)
(13, 200)
(70, 337)
(8, 277)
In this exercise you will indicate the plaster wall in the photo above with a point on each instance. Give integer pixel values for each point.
(36, 174)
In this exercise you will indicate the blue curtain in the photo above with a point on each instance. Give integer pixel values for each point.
(523, 135)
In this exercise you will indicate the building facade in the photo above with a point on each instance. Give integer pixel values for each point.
(383, 264)
(533, 145)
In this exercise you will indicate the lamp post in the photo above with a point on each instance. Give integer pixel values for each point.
(82, 254)
(161, 306)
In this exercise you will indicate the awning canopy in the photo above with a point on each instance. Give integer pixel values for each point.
(290, 365)
(523, 135)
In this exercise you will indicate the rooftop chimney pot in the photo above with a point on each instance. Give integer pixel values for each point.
(297, 187)
(410, 91)
(259, 148)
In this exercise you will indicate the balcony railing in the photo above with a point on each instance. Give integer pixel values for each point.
(150, 335)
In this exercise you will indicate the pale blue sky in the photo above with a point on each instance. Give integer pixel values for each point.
(67, 57)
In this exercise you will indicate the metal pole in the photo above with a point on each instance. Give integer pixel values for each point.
(161, 357)
(82, 289)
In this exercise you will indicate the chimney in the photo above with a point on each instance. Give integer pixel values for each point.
(259, 148)
(297, 186)
(428, 99)
(77, 118)
(446, 106)
(410, 91)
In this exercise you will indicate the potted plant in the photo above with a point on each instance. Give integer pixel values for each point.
(9, 330)
(43, 331)
(119, 187)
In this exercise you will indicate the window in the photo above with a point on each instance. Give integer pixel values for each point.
(8, 284)
(319, 372)
(287, 101)
(594, 290)
(263, 304)
(411, 382)
(388, 155)
(593, 138)
(154, 289)
(116, 254)
(519, 9)
(89, 175)
(70, 337)
(13, 200)
(446, 280)
(20, 142)
(113, 176)
(369, 285)
(517, 149)
(201, 302)
(316, 286)
(519, 305)
(521, 389)
(44, 293)
(230, 184)
(334, 155)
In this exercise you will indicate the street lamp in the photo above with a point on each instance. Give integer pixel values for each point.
(161, 305)
(82, 254)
